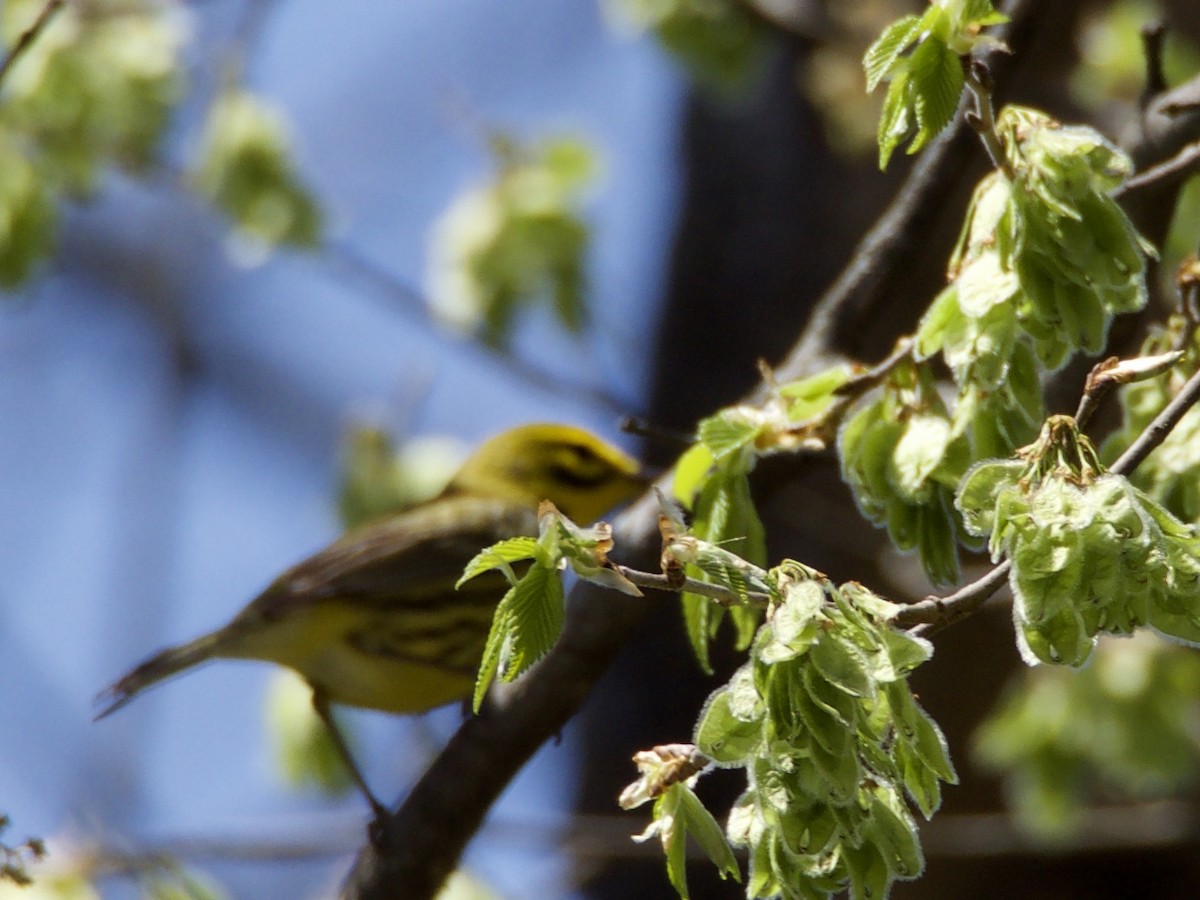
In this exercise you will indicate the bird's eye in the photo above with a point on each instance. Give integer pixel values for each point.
(584, 455)
(577, 466)
(581, 477)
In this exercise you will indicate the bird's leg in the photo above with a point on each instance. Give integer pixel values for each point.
(320, 704)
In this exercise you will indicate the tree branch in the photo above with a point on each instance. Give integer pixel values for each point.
(29, 35)
(934, 613)
(905, 224)
(422, 843)
(983, 119)
(1167, 126)
(1168, 173)
(344, 262)
(884, 250)
(429, 831)
(719, 593)
(1156, 432)
(339, 261)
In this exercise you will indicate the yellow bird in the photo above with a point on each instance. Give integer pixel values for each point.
(374, 619)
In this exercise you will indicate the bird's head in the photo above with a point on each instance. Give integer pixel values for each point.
(578, 472)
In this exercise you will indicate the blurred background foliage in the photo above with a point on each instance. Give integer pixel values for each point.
(779, 158)
(1126, 729)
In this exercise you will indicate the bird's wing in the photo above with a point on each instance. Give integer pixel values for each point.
(418, 553)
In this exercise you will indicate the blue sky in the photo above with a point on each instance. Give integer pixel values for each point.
(145, 502)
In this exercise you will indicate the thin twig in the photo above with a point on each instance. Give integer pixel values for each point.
(1153, 36)
(723, 595)
(1090, 401)
(935, 613)
(243, 44)
(1187, 282)
(348, 266)
(1183, 164)
(1156, 432)
(346, 263)
(983, 120)
(1114, 372)
(879, 255)
(861, 382)
(430, 829)
(904, 226)
(29, 35)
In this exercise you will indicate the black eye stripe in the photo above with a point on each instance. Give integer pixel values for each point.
(583, 454)
(577, 478)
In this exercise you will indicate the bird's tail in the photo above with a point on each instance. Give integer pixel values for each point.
(157, 668)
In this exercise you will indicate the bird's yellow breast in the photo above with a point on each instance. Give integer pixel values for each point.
(360, 657)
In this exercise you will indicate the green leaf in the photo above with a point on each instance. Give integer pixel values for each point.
(795, 622)
(897, 120)
(497, 641)
(901, 653)
(985, 283)
(500, 556)
(841, 773)
(721, 44)
(746, 621)
(980, 491)
(869, 873)
(517, 241)
(895, 835)
(832, 735)
(722, 736)
(525, 626)
(862, 604)
(1059, 638)
(678, 813)
(936, 538)
(938, 319)
(744, 700)
(837, 703)
(812, 396)
(936, 79)
(571, 161)
(884, 53)
(674, 838)
(27, 216)
(729, 431)
(921, 783)
(918, 453)
(865, 446)
(700, 824)
(981, 12)
(537, 606)
(724, 514)
(842, 665)
(1183, 627)
(94, 90)
(921, 732)
(698, 615)
(303, 746)
(246, 172)
(690, 473)
(763, 881)
(1078, 258)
